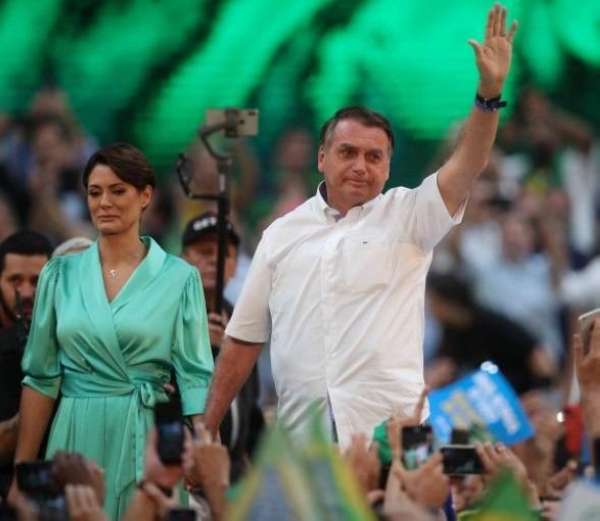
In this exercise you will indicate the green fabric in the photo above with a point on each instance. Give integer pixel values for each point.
(334, 485)
(505, 501)
(380, 436)
(293, 479)
(110, 359)
(277, 486)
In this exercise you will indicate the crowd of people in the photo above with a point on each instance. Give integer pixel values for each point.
(362, 299)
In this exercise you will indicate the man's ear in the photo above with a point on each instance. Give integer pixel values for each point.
(320, 157)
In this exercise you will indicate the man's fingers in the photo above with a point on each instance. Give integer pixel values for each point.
(513, 29)
(578, 349)
(484, 456)
(394, 435)
(489, 26)
(498, 28)
(434, 460)
(502, 21)
(477, 48)
(595, 339)
(418, 411)
(373, 496)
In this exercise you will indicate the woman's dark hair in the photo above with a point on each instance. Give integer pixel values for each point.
(126, 161)
(363, 115)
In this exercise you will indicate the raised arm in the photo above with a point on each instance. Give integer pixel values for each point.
(234, 364)
(472, 151)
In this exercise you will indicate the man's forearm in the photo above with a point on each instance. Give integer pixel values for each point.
(234, 364)
(469, 159)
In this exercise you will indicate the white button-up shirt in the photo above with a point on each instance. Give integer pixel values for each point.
(342, 300)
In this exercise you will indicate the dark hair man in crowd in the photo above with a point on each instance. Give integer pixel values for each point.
(22, 257)
(338, 284)
(472, 334)
(243, 421)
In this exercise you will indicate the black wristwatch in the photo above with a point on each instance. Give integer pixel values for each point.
(489, 104)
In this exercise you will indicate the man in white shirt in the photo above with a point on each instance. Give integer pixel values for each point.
(338, 284)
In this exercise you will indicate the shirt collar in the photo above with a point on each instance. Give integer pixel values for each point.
(329, 211)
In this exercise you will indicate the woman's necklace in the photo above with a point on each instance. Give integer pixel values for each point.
(114, 273)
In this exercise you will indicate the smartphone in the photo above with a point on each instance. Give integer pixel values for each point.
(459, 460)
(586, 322)
(417, 445)
(8, 513)
(181, 514)
(460, 436)
(170, 428)
(37, 483)
(36, 479)
(246, 121)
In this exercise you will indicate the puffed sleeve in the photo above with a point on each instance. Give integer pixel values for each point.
(192, 355)
(40, 363)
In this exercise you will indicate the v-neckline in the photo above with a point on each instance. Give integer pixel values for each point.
(123, 289)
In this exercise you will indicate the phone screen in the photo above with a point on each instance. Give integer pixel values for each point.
(7, 513)
(171, 434)
(417, 445)
(181, 514)
(461, 459)
(35, 478)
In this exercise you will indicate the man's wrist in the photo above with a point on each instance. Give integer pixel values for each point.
(489, 90)
(489, 104)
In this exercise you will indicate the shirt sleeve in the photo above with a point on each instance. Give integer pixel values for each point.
(251, 320)
(41, 363)
(426, 217)
(192, 355)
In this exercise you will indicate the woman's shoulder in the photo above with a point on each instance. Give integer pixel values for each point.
(175, 264)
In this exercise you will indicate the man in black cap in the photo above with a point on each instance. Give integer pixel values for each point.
(244, 421)
(22, 257)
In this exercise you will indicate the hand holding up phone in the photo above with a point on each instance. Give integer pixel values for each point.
(364, 461)
(427, 485)
(498, 457)
(156, 471)
(397, 422)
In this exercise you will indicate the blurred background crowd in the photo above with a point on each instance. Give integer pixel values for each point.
(524, 261)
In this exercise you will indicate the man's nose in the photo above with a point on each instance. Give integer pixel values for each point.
(359, 165)
(26, 290)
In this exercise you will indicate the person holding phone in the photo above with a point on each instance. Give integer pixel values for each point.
(108, 326)
(338, 283)
(244, 421)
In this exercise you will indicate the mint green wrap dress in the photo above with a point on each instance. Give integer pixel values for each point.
(109, 360)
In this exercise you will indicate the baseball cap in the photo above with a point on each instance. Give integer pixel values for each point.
(203, 224)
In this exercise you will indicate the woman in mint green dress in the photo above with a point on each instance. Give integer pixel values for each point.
(108, 326)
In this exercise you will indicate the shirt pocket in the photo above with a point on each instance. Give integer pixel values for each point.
(366, 262)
